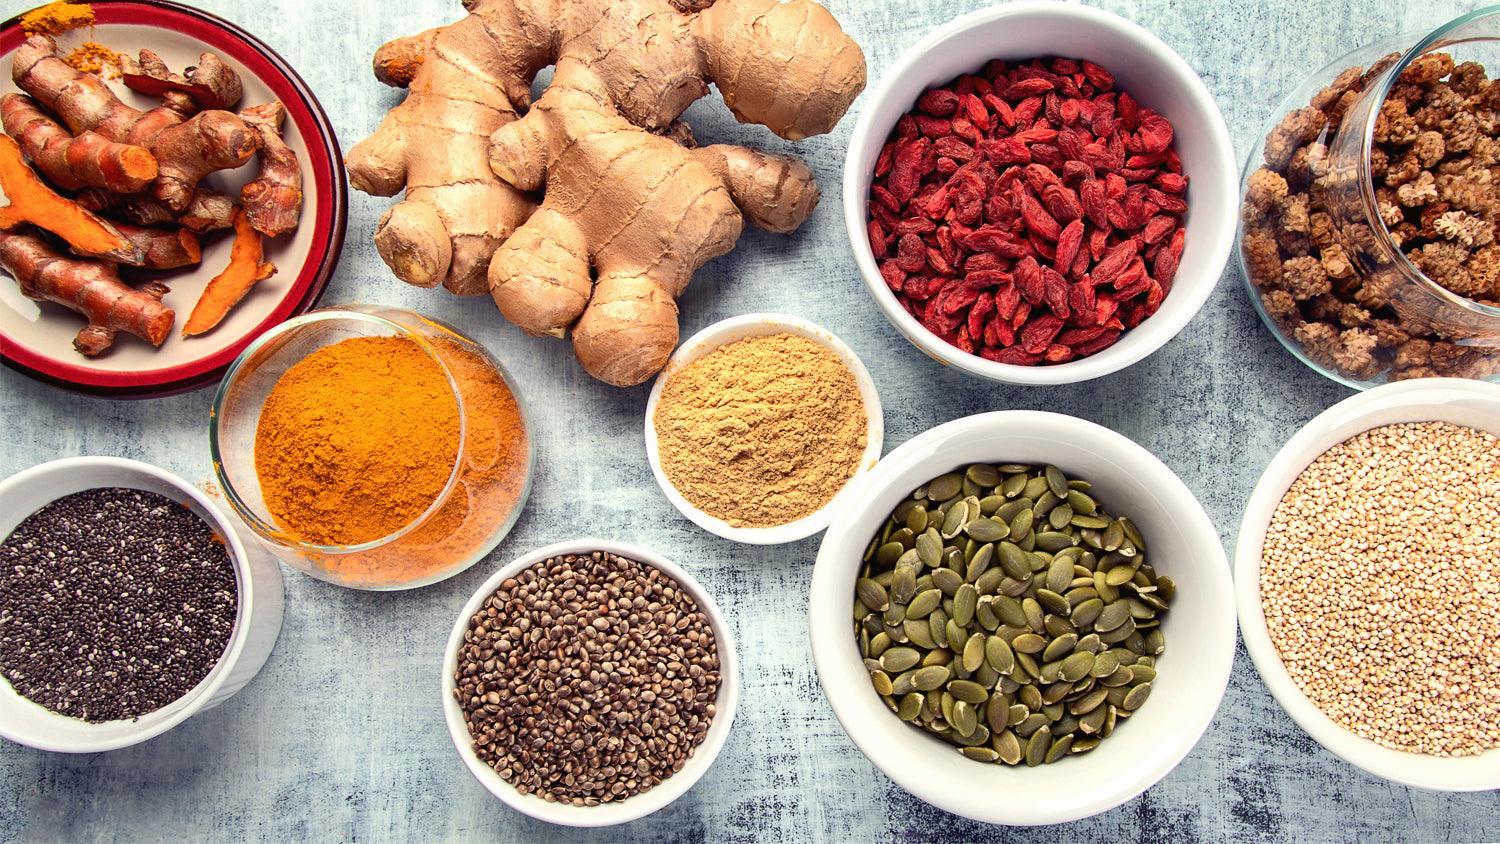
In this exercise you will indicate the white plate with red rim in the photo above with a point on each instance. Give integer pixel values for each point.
(36, 338)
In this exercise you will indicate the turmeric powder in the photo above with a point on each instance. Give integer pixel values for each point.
(57, 17)
(356, 441)
(381, 410)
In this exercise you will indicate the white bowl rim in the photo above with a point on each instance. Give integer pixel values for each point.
(1216, 235)
(828, 624)
(636, 806)
(201, 695)
(1422, 399)
(731, 330)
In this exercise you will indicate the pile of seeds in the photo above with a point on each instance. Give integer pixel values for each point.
(587, 679)
(1380, 589)
(113, 603)
(1002, 610)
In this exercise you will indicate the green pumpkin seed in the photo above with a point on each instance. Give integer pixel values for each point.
(957, 636)
(965, 601)
(1053, 541)
(931, 677)
(984, 613)
(1059, 574)
(887, 554)
(973, 653)
(882, 682)
(1059, 749)
(1013, 485)
(937, 656)
(916, 519)
(1060, 516)
(1076, 666)
(1136, 696)
(1083, 745)
(965, 719)
(910, 706)
(1080, 502)
(899, 659)
(1060, 647)
(1112, 617)
(929, 546)
(1035, 616)
(984, 557)
(1007, 747)
(1028, 643)
(905, 682)
(989, 582)
(1112, 537)
(1020, 526)
(923, 604)
(1029, 726)
(919, 633)
(1119, 575)
(1155, 643)
(1104, 664)
(871, 594)
(1056, 481)
(903, 584)
(1028, 665)
(1121, 677)
(999, 654)
(937, 625)
(1037, 746)
(1090, 702)
(1017, 713)
(968, 690)
(945, 487)
(1009, 610)
(1143, 674)
(1013, 560)
(985, 529)
(947, 580)
(1060, 626)
(1080, 520)
(1053, 602)
(980, 754)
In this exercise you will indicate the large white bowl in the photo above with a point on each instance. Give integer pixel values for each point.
(638, 805)
(1199, 628)
(256, 624)
(732, 330)
(1143, 66)
(1474, 404)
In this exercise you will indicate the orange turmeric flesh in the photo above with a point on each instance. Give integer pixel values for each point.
(32, 201)
(230, 286)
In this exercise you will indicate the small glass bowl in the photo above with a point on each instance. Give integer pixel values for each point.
(1376, 259)
(486, 488)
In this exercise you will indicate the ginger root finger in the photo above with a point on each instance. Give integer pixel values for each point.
(75, 162)
(32, 201)
(539, 277)
(628, 331)
(776, 192)
(92, 288)
(226, 289)
(273, 200)
(414, 243)
(798, 84)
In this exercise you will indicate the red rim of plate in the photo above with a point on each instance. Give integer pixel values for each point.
(330, 216)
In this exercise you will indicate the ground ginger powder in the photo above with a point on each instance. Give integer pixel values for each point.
(761, 432)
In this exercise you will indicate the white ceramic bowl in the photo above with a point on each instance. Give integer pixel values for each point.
(731, 330)
(638, 805)
(1199, 628)
(1143, 66)
(256, 624)
(1474, 404)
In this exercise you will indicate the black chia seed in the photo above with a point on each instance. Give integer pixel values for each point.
(113, 603)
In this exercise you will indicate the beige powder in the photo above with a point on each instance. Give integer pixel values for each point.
(761, 432)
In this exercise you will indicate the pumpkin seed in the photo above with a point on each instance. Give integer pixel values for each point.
(1013, 560)
(905, 682)
(899, 659)
(931, 677)
(1083, 745)
(1007, 747)
(1059, 574)
(910, 706)
(923, 604)
(1053, 602)
(999, 654)
(973, 653)
(871, 594)
(984, 613)
(929, 546)
(903, 584)
(1056, 480)
(1060, 516)
(985, 529)
(945, 487)
(887, 554)
(980, 754)
(968, 690)
(1037, 746)
(1060, 647)
(1112, 617)
(918, 633)
(1028, 643)
(1076, 667)
(1058, 750)
(1136, 696)
(946, 580)
(882, 682)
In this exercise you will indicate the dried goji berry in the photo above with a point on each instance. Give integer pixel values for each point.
(939, 102)
(1068, 242)
(1037, 219)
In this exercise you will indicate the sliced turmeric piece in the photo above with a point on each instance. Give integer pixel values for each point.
(72, 162)
(91, 287)
(227, 288)
(32, 201)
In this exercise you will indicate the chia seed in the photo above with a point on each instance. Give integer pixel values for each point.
(113, 603)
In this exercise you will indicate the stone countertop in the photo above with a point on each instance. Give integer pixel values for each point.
(341, 736)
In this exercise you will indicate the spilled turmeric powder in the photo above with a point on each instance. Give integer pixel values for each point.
(58, 17)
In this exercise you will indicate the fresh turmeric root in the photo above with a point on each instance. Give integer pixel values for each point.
(32, 201)
(622, 202)
(92, 288)
(186, 148)
(273, 200)
(227, 288)
(72, 163)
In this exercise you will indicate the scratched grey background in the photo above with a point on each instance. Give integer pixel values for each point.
(341, 737)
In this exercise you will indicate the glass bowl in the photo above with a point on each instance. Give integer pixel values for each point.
(1393, 301)
(486, 487)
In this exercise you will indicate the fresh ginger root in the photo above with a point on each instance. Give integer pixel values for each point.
(92, 288)
(622, 202)
(32, 201)
(72, 163)
(462, 85)
(186, 149)
(227, 288)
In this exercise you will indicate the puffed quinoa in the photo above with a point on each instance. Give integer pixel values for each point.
(1380, 582)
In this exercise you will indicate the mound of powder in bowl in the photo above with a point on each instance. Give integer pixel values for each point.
(761, 432)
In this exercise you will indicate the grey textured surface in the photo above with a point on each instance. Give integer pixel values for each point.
(341, 737)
